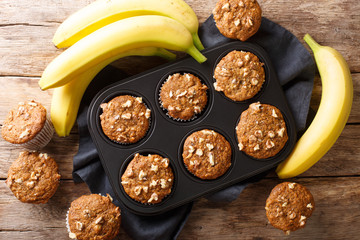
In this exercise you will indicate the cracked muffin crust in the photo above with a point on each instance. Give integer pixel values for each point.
(183, 96)
(261, 131)
(237, 19)
(125, 119)
(288, 206)
(28, 125)
(239, 75)
(33, 177)
(93, 217)
(148, 179)
(207, 154)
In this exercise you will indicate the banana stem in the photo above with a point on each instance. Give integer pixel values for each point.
(194, 52)
(311, 42)
(197, 41)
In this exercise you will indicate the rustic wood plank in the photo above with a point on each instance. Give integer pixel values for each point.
(242, 219)
(336, 215)
(26, 48)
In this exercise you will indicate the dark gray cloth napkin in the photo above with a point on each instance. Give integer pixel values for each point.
(295, 70)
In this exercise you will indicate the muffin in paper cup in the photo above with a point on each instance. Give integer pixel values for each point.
(125, 119)
(28, 126)
(93, 217)
(183, 96)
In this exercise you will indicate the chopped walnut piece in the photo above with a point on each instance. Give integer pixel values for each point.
(153, 183)
(241, 146)
(281, 132)
(211, 158)
(269, 144)
(257, 147)
(154, 197)
(147, 113)
(199, 152)
(100, 220)
(126, 116)
(142, 175)
(137, 190)
(163, 183)
(72, 235)
(154, 168)
(271, 134)
(310, 206)
(274, 114)
(291, 185)
(79, 226)
(128, 103)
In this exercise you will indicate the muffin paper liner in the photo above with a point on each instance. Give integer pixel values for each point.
(42, 138)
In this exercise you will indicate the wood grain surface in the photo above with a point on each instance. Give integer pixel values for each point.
(26, 30)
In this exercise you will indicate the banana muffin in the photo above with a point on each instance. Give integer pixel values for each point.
(207, 154)
(33, 177)
(93, 217)
(183, 96)
(261, 131)
(125, 119)
(148, 179)
(27, 125)
(289, 206)
(239, 75)
(237, 19)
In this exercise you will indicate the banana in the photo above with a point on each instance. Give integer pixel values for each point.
(332, 115)
(115, 38)
(103, 12)
(66, 99)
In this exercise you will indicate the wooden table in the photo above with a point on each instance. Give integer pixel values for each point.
(26, 30)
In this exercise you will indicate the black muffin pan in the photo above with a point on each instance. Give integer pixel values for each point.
(166, 135)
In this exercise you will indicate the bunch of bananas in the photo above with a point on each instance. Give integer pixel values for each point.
(105, 31)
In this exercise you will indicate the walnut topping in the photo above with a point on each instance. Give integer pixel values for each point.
(110, 198)
(211, 158)
(147, 113)
(292, 215)
(171, 94)
(129, 172)
(153, 183)
(146, 189)
(86, 213)
(181, 94)
(25, 133)
(99, 220)
(252, 138)
(33, 104)
(171, 108)
(197, 109)
(34, 176)
(284, 204)
(199, 152)
(45, 155)
(154, 168)
(226, 6)
(124, 182)
(254, 81)
(269, 144)
(139, 99)
(79, 225)
(302, 218)
(250, 22)
(258, 133)
(72, 235)
(163, 183)
(117, 117)
(217, 87)
(137, 190)
(247, 57)
(128, 103)
(287, 232)
(273, 113)
(210, 146)
(19, 180)
(255, 106)
(291, 185)
(241, 146)
(271, 134)
(191, 149)
(281, 132)
(142, 175)
(165, 161)
(310, 206)
(154, 197)
(188, 77)
(169, 180)
(237, 22)
(30, 184)
(257, 147)
(126, 116)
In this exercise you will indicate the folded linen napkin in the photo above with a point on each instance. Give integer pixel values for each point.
(295, 69)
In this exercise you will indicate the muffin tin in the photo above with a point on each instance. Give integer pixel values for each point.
(166, 135)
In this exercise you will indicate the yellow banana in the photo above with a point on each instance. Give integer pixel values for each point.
(103, 12)
(66, 99)
(115, 38)
(332, 115)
